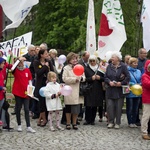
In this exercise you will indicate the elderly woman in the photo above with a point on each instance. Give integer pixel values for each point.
(116, 75)
(94, 97)
(57, 66)
(72, 101)
(133, 101)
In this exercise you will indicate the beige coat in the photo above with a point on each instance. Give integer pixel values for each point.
(70, 79)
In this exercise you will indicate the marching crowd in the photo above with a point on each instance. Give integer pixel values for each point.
(107, 87)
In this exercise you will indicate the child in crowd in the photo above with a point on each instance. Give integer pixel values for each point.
(53, 102)
(22, 78)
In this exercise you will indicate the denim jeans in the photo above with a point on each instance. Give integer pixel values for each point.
(132, 105)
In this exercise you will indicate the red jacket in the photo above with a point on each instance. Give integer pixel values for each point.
(21, 81)
(6, 66)
(1, 84)
(146, 85)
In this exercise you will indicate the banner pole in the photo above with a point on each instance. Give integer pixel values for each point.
(10, 55)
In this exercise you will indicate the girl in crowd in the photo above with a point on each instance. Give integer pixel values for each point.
(22, 77)
(53, 102)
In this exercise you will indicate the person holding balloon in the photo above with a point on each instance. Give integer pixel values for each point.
(53, 102)
(41, 66)
(146, 101)
(57, 61)
(133, 99)
(72, 77)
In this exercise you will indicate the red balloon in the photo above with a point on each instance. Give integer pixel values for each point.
(78, 70)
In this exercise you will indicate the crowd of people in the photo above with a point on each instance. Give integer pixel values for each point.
(104, 95)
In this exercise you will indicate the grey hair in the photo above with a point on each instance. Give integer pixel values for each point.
(53, 51)
(93, 57)
(117, 54)
(30, 47)
(140, 50)
(44, 46)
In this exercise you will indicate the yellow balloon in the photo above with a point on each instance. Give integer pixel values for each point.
(136, 89)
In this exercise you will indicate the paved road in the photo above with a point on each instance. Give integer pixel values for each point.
(90, 137)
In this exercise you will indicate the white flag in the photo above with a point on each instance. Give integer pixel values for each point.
(112, 33)
(17, 10)
(90, 35)
(20, 45)
(145, 19)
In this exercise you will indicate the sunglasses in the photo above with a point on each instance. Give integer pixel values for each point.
(92, 60)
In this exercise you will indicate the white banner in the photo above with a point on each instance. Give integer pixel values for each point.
(145, 19)
(20, 45)
(90, 33)
(112, 34)
(17, 10)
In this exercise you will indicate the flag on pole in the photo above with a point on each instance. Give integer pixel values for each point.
(17, 10)
(145, 19)
(112, 34)
(90, 33)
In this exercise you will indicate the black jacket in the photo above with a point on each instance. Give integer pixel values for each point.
(94, 97)
(41, 74)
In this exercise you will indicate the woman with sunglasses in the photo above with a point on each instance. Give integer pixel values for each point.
(94, 97)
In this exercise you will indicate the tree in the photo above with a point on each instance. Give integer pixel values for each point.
(62, 24)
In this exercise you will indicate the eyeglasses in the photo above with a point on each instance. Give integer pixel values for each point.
(92, 60)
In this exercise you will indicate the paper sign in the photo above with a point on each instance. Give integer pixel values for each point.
(20, 45)
(30, 91)
(15, 65)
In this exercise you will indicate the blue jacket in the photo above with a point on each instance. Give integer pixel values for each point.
(135, 78)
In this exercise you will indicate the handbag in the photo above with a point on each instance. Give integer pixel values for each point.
(84, 88)
(125, 89)
(6, 105)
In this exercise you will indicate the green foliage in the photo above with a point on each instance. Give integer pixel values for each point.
(62, 24)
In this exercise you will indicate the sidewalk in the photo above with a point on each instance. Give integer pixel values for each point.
(89, 137)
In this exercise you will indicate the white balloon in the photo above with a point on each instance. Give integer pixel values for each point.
(108, 55)
(61, 59)
(66, 90)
